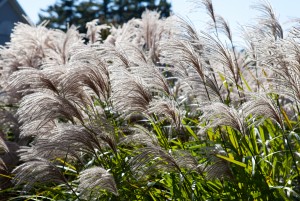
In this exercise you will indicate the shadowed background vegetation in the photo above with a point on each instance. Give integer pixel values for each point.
(155, 111)
(65, 13)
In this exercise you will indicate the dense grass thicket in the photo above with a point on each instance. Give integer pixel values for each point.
(155, 111)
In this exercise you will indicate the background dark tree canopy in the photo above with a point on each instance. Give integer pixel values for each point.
(78, 12)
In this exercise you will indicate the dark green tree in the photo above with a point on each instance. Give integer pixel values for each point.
(77, 12)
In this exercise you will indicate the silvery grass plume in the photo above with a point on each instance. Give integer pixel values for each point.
(25, 72)
(270, 50)
(53, 154)
(36, 107)
(223, 58)
(277, 55)
(37, 170)
(155, 30)
(190, 68)
(216, 167)
(30, 80)
(262, 106)
(20, 52)
(72, 98)
(47, 48)
(34, 46)
(144, 33)
(225, 62)
(214, 68)
(167, 109)
(94, 31)
(268, 19)
(129, 95)
(285, 68)
(93, 180)
(136, 63)
(152, 160)
(3, 146)
(26, 48)
(151, 74)
(219, 114)
(74, 140)
(60, 47)
(89, 73)
(139, 136)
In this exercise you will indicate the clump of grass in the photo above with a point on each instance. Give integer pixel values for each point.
(157, 111)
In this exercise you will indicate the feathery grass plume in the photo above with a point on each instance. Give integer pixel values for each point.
(262, 106)
(144, 33)
(30, 46)
(93, 180)
(94, 31)
(217, 168)
(56, 154)
(239, 59)
(288, 74)
(285, 68)
(223, 26)
(3, 146)
(266, 47)
(219, 114)
(153, 31)
(140, 136)
(268, 20)
(129, 95)
(24, 49)
(210, 10)
(116, 56)
(2, 165)
(187, 32)
(153, 159)
(129, 32)
(153, 78)
(29, 80)
(36, 107)
(136, 54)
(76, 140)
(260, 48)
(34, 128)
(60, 46)
(28, 153)
(86, 77)
(150, 21)
(190, 68)
(166, 108)
(223, 58)
(35, 171)
(251, 71)
(278, 63)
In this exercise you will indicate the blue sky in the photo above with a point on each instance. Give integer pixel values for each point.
(234, 11)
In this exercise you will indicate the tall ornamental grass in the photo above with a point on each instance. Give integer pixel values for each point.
(155, 111)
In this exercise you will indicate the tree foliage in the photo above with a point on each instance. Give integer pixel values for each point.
(78, 12)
